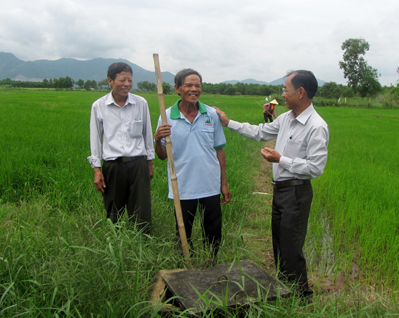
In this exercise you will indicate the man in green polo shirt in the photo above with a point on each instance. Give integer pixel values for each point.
(197, 142)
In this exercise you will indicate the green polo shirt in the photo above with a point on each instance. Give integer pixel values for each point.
(194, 152)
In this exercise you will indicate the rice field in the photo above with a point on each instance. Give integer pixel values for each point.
(59, 257)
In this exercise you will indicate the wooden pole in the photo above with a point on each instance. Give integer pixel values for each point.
(172, 170)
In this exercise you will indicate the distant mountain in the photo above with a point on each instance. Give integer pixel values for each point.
(247, 81)
(279, 81)
(95, 69)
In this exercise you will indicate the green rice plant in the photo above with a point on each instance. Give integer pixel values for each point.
(359, 187)
(60, 257)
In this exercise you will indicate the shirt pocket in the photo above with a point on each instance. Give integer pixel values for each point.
(207, 137)
(294, 149)
(135, 128)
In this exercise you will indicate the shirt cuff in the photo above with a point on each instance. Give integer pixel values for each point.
(233, 124)
(150, 154)
(94, 161)
(285, 162)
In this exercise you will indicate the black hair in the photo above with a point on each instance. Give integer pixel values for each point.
(181, 76)
(305, 79)
(118, 67)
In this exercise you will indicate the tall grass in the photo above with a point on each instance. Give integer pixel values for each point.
(60, 257)
(360, 190)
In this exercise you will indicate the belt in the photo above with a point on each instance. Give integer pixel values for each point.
(289, 183)
(128, 159)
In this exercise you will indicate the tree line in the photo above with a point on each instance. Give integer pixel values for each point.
(328, 90)
(57, 83)
(362, 80)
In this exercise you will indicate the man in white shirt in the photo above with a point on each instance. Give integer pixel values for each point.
(121, 135)
(300, 155)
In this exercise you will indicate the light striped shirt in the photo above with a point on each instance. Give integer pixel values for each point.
(120, 131)
(302, 142)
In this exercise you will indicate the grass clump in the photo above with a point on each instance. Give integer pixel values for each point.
(60, 257)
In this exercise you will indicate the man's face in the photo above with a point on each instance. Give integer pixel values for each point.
(190, 90)
(290, 94)
(121, 85)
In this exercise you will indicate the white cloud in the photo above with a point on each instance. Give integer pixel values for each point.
(222, 39)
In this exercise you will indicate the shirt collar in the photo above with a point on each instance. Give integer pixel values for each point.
(111, 101)
(175, 112)
(304, 116)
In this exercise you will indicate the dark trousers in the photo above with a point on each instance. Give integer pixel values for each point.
(290, 214)
(211, 220)
(267, 116)
(128, 185)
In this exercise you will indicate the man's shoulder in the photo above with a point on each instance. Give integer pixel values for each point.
(101, 101)
(137, 98)
(210, 109)
(317, 120)
(167, 110)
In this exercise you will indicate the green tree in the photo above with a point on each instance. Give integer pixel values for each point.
(264, 90)
(147, 86)
(359, 74)
(240, 88)
(167, 88)
(229, 90)
(63, 82)
(103, 83)
(67, 82)
(369, 86)
(80, 83)
(90, 84)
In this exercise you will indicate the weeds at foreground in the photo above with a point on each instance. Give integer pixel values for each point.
(83, 268)
(58, 255)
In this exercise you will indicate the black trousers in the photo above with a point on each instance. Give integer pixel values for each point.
(211, 220)
(290, 214)
(128, 185)
(267, 116)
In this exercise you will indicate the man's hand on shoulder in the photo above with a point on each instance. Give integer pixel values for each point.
(222, 116)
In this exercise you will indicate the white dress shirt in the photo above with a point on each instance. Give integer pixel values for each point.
(302, 143)
(120, 131)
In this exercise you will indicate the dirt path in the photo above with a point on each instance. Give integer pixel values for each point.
(258, 223)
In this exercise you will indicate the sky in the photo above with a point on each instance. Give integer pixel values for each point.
(221, 39)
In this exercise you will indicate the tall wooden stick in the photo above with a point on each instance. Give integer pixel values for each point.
(172, 170)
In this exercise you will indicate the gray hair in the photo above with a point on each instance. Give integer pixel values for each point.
(181, 76)
(305, 79)
(118, 67)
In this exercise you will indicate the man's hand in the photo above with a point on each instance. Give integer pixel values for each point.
(162, 131)
(222, 116)
(226, 195)
(270, 154)
(99, 181)
(150, 168)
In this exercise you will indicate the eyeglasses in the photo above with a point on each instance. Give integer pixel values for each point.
(287, 90)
